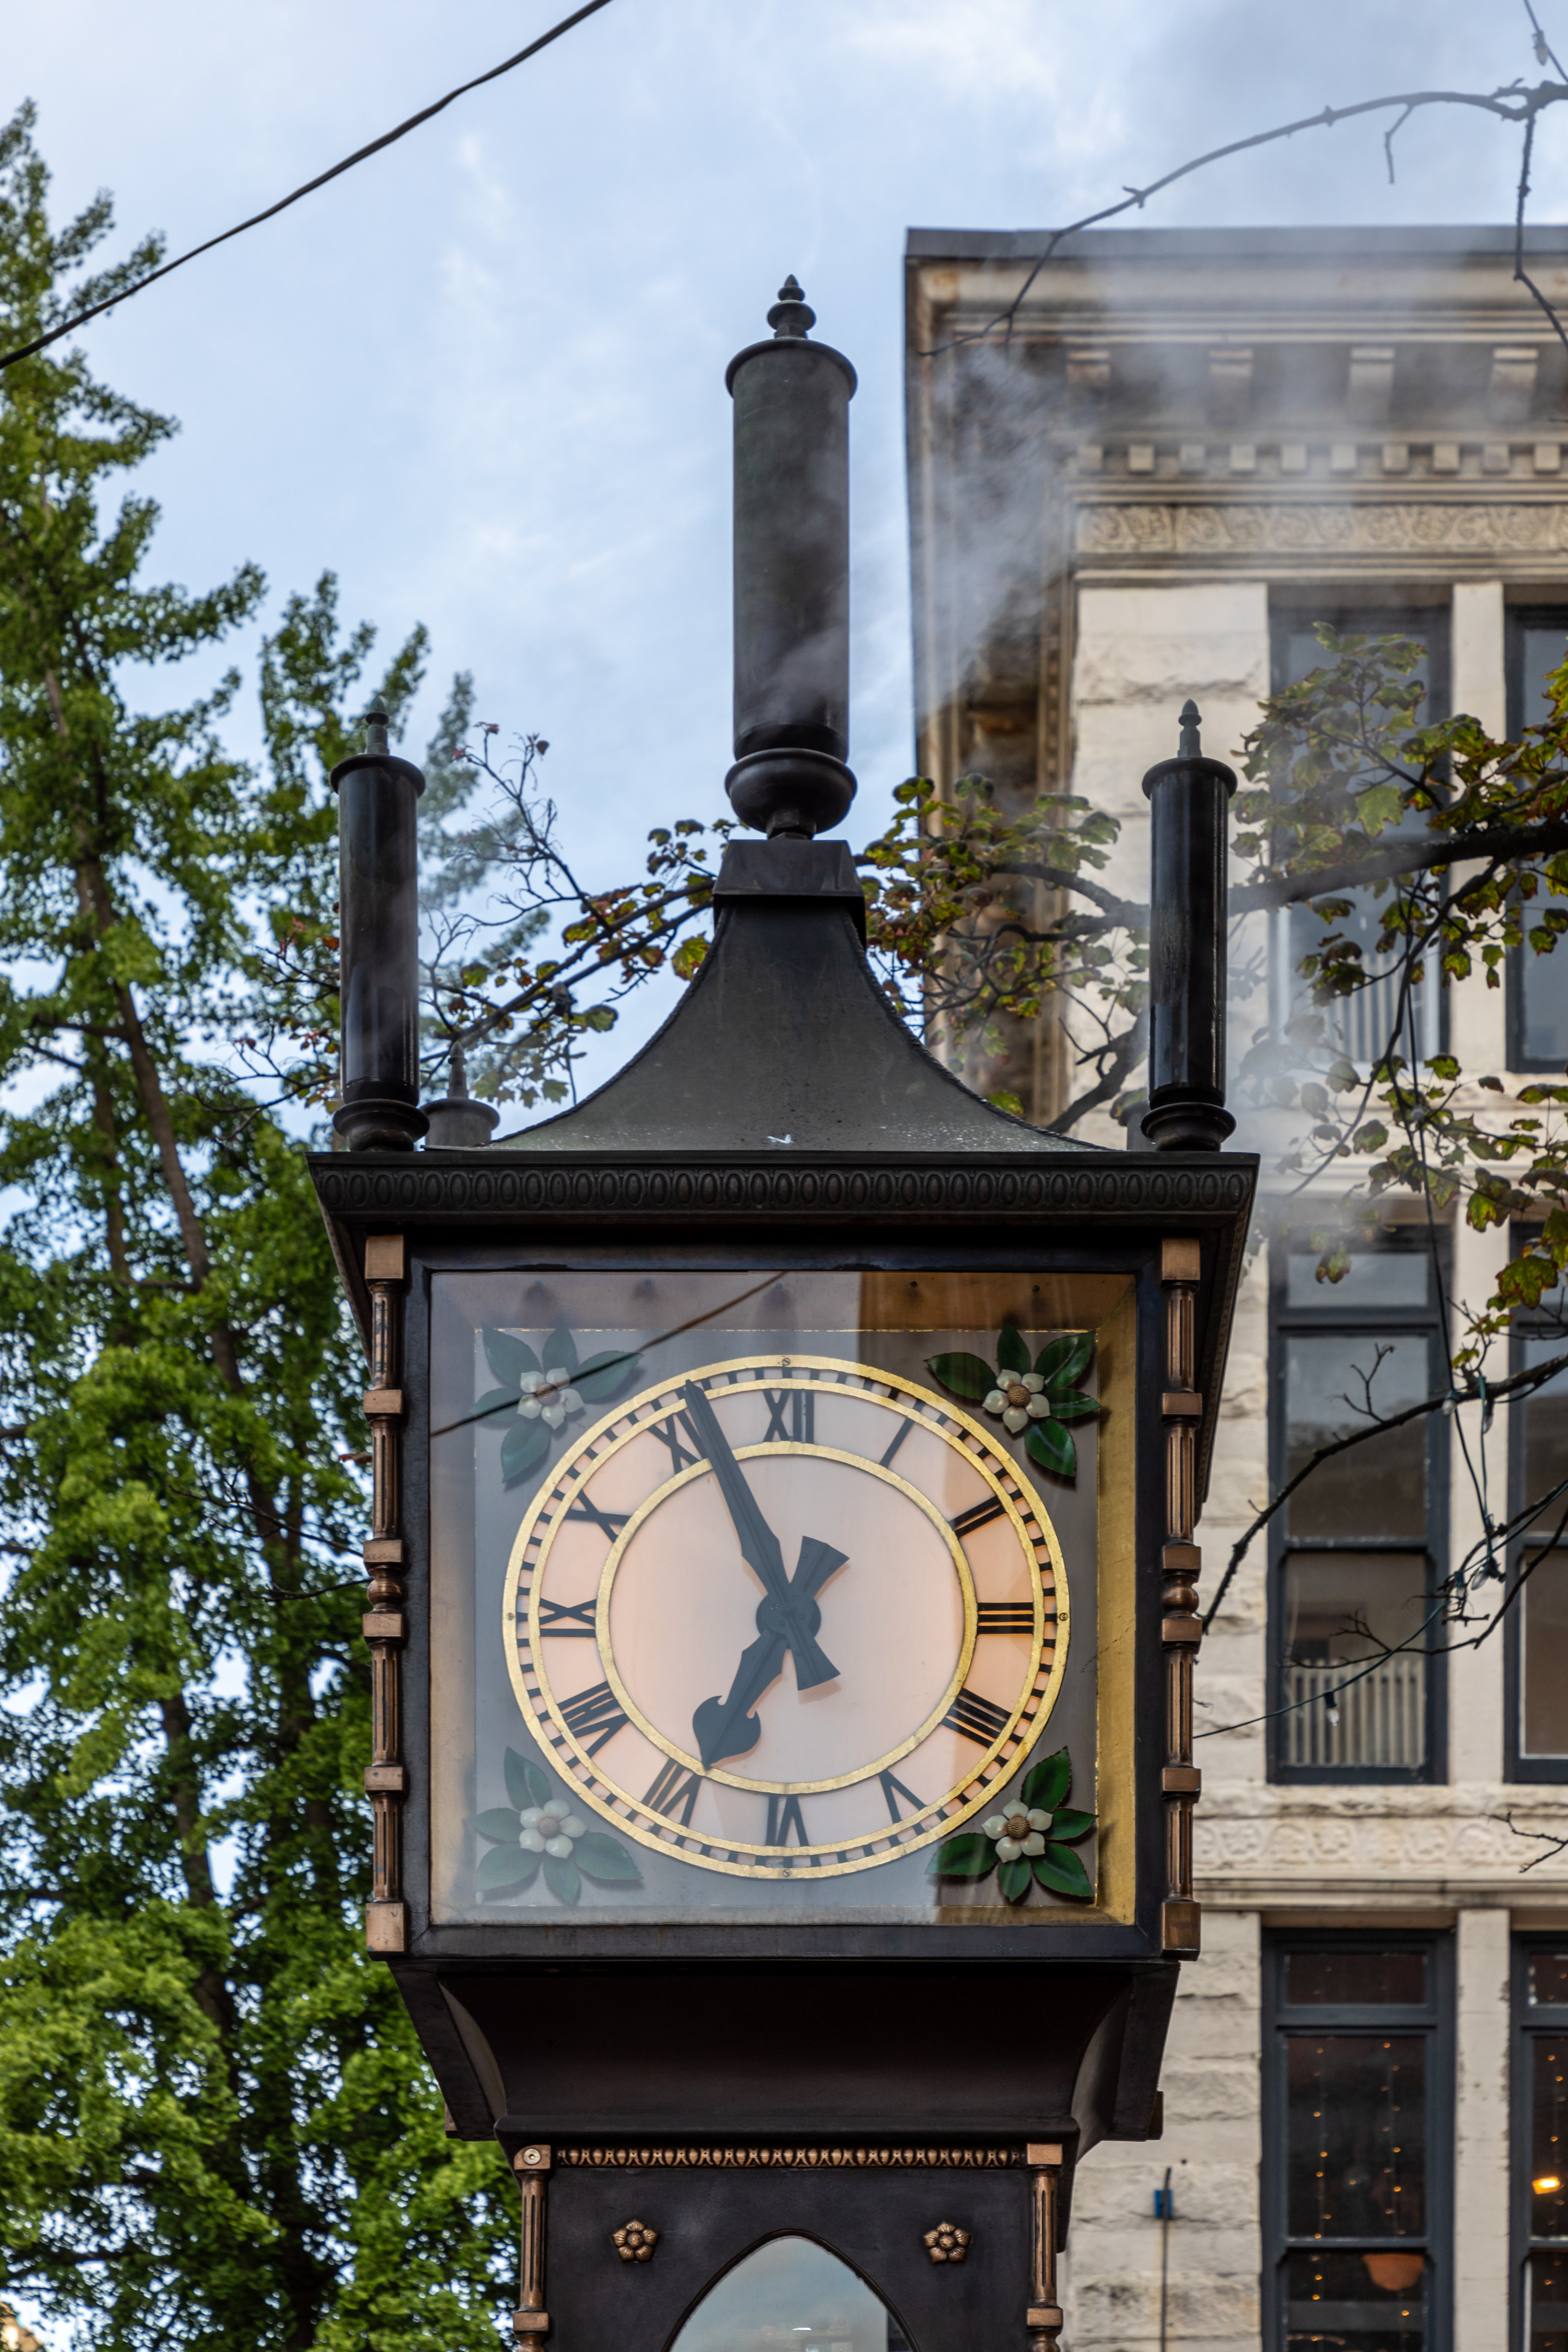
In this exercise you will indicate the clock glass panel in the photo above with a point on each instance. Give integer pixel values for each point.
(761, 1592)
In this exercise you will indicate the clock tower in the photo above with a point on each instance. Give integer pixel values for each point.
(783, 1593)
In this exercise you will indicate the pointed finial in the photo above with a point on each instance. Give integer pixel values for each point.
(457, 1072)
(376, 726)
(791, 314)
(1190, 745)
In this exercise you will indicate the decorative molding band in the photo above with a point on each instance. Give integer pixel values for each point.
(1323, 527)
(797, 1188)
(799, 2159)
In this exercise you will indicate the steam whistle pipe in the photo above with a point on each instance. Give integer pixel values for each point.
(1189, 800)
(378, 934)
(792, 577)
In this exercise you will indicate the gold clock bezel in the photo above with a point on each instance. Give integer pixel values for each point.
(738, 1857)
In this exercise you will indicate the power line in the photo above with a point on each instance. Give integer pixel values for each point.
(42, 342)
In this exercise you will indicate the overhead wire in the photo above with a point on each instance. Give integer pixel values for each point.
(80, 318)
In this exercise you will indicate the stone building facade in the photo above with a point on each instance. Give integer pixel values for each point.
(1138, 470)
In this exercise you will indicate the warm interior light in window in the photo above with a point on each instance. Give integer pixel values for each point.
(1544, 2186)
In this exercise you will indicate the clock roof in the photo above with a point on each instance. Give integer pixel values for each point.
(783, 1040)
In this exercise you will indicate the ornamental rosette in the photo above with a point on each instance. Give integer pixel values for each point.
(1028, 1841)
(1032, 1401)
(539, 1830)
(543, 1396)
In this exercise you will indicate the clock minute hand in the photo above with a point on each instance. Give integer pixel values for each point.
(760, 1549)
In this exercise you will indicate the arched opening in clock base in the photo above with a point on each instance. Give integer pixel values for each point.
(790, 2294)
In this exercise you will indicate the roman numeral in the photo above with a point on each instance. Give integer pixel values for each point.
(669, 1790)
(610, 1523)
(892, 1790)
(672, 1432)
(596, 1710)
(783, 1814)
(980, 1719)
(978, 1514)
(570, 1620)
(1005, 1617)
(800, 1404)
(903, 1430)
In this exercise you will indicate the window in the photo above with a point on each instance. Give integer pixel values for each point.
(1357, 1561)
(1538, 1570)
(791, 2295)
(1541, 2146)
(1537, 984)
(1363, 1027)
(1358, 2100)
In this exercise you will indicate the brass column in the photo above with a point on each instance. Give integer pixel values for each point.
(1181, 1628)
(386, 1779)
(531, 2165)
(1044, 2317)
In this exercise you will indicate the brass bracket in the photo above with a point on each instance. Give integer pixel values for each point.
(1180, 1929)
(385, 1926)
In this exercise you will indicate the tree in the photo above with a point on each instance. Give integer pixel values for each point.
(214, 2125)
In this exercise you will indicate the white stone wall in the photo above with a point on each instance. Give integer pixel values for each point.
(1211, 2145)
(1267, 1855)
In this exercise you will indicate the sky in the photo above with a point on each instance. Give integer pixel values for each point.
(481, 377)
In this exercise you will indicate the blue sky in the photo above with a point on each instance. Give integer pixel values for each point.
(481, 377)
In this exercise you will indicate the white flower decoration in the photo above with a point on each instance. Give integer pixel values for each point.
(1017, 1831)
(1018, 1402)
(548, 1396)
(549, 1829)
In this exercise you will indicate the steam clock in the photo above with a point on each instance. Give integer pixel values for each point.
(783, 1594)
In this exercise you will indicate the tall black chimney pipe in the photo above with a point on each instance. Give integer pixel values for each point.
(792, 577)
(1190, 806)
(378, 932)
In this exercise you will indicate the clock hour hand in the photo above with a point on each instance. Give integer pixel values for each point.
(729, 1727)
(796, 1620)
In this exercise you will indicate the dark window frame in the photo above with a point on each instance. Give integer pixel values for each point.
(1286, 1322)
(1435, 2019)
(1525, 2025)
(1517, 1766)
(1517, 618)
(1433, 623)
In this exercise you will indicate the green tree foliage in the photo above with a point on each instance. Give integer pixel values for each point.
(214, 2125)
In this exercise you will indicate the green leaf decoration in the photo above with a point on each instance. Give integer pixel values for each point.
(1012, 1355)
(602, 1377)
(525, 1782)
(509, 1359)
(1071, 1404)
(499, 1824)
(560, 1351)
(605, 1861)
(1062, 1363)
(525, 1444)
(963, 1375)
(1048, 1443)
(1044, 1787)
(503, 1871)
(496, 1400)
(1069, 1825)
(970, 1856)
(561, 1877)
(1013, 1878)
(1060, 1869)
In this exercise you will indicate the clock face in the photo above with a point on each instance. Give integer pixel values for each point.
(785, 1617)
